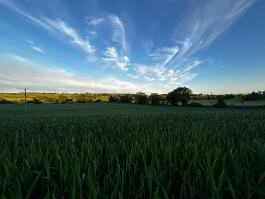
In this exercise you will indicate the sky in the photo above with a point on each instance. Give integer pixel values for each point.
(127, 46)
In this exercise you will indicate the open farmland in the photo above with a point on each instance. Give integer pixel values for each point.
(233, 102)
(116, 150)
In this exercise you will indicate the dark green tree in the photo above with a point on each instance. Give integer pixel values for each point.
(179, 95)
(220, 103)
(62, 98)
(126, 98)
(155, 99)
(81, 98)
(141, 98)
(113, 99)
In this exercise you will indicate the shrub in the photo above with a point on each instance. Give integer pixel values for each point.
(97, 100)
(220, 103)
(126, 98)
(50, 100)
(194, 105)
(36, 101)
(113, 99)
(62, 98)
(81, 98)
(4, 101)
(67, 101)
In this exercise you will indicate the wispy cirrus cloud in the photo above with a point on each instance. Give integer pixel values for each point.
(38, 49)
(18, 73)
(205, 25)
(30, 42)
(94, 20)
(115, 54)
(58, 27)
(19, 10)
(119, 35)
(35, 47)
(112, 59)
(160, 78)
(163, 74)
(164, 66)
(63, 27)
(163, 55)
(55, 26)
(117, 28)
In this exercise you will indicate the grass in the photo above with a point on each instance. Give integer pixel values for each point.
(236, 102)
(109, 150)
(78, 109)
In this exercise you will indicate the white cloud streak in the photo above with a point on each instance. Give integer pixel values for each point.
(206, 24)
(30, 42)
(94, 21)
(55, 26)
(171, 66)
(18, 72)
(34, 47)
(76, 39)
(38, 49)
(112, 59)
(163, 74)
(119, 35)
(164, 55)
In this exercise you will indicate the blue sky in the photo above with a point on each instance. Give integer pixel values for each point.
(127, 46)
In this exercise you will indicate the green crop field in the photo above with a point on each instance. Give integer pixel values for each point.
(235, 102)
(112, 150)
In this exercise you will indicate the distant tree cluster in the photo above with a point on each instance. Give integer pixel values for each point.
(228, 96)
(255, 96)
(179, 95)
(141, 98)
(126, 98)
(155, 99)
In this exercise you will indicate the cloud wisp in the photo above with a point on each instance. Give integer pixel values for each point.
(38, 49)
(56, 26)
(115, 55)
(119, 35)
(18, 72)
(117, 28)
(94, 21)
(62, 27)
(167, 65)
(205, 25)
(163, 75)
(208, 22)
(35, 47)
(112, 59)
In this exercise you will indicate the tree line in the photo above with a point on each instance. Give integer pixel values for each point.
(179, 96)
(182, 96)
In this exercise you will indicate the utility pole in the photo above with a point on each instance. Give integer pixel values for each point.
(25, 101)
(25, 95)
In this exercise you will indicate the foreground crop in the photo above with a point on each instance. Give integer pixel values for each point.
(152, 155)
